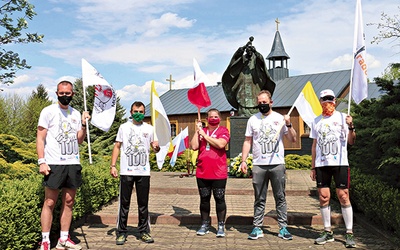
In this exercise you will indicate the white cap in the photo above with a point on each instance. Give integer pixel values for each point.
(326, 92)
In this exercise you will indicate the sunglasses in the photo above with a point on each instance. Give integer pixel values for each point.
(328, 98)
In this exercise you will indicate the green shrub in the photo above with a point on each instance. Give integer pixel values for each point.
(16, 170)
(234, 166)
(292, 162)
(298, 161)
(181, 164)
(13, 149)
(20, 208)
(98, 188)
(376, 200)
(21, 202)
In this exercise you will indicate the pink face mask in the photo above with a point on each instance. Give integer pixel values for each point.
(213, 121)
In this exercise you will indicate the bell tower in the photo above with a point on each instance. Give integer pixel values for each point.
(278, 58)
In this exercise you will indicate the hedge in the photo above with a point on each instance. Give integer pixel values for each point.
(21, 202)
(378, 201)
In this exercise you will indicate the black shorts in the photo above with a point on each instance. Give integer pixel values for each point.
(64, 176)
(341, 175)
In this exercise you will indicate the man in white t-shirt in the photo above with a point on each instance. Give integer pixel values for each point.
(133, 141)
(331, 132)
(60, 129)
(265, 131)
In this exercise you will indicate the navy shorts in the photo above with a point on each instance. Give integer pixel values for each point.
(341, 175)
(64, 176)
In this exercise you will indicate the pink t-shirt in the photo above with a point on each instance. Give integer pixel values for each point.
(211, 162)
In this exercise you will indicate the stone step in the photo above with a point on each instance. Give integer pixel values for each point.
(180, 206)
(194, 191)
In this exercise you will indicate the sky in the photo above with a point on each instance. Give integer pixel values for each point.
(131, 43)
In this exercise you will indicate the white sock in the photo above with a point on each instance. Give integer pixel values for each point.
(326, 217)
(45, 236)
(347, 213)
(64, 235)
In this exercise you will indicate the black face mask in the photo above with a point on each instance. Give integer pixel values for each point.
(65, 100)
(264, 108)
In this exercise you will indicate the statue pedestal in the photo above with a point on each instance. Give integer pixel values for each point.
(238, 129)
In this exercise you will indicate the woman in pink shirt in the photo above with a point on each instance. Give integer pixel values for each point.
(211, 171)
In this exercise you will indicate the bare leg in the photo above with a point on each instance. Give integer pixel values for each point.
(68, 198)
(50, 200)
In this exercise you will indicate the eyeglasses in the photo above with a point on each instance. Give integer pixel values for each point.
(328, 98)
(64, 93)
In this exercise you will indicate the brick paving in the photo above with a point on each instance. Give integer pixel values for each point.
(174, 212)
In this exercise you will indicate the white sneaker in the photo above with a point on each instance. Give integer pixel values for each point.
(45, 245)
(68, 244)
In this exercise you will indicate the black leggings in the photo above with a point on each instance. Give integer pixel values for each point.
(218, 187)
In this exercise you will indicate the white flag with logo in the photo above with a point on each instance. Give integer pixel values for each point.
(359, 77)
(105, 100)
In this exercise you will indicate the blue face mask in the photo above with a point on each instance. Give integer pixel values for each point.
(138, 117)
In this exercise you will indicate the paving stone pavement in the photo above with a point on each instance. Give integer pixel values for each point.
(174, 212)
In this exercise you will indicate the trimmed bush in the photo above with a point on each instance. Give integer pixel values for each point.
(20, 208)
(376, 200)
(292, 162)
(21, 203)
(298, 161)
(98, 188)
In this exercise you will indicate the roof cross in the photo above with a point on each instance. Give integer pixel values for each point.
(277, 24)
(170, 81)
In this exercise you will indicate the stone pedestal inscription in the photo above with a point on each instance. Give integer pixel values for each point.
(238, 128)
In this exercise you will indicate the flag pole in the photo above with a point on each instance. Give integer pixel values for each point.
(283, 123)
(291, 109)
(153, 111)
(352, 58)
(198, 114)
(351, 86)
(87, 125)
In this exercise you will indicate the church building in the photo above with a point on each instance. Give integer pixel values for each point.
(182, 113)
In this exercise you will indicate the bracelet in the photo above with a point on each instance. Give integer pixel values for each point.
(112, 166)
(352, 128)
(83, 125)
(289, 126)
(41, 161)
(244, 162)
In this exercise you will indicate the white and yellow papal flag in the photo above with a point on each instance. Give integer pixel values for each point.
(105, 99)
(162, 127)
(307, 104)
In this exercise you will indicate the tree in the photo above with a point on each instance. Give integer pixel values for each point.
(389, 28)
(30, 113)
(13, 106)
(377, 149)
(19, 116)
(392, 72)
(40, 93)
(13, 19)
